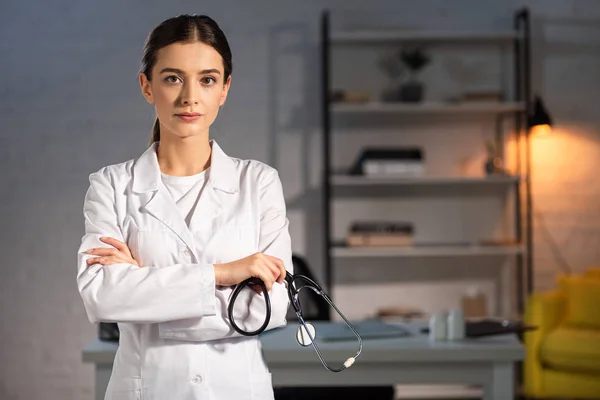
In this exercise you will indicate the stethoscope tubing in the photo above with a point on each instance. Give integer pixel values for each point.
(293, 293)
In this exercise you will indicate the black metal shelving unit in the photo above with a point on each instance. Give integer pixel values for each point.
(522, 95)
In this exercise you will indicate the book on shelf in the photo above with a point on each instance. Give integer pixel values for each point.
(374, 168)
(378, 240)
(379, 233)
(389, 162)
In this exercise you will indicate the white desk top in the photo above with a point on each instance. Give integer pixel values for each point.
(280, 346)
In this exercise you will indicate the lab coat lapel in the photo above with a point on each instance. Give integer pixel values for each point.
(204, 218)
(158, 202)
(163, 207)
(222, 181)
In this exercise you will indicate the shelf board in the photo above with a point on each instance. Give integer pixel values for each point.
(428, 107)
(359, 180)
(370, 36)
(341, 251)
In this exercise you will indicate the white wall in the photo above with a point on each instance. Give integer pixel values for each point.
(69, 104)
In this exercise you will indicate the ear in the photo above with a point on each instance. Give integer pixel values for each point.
(225, 91)
(146, 88)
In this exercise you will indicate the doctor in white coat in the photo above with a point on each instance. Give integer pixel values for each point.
(169, 234)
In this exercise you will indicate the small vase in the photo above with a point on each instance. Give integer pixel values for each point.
(493, 166)
(411, 92)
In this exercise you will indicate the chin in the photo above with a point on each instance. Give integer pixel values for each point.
(188, 131)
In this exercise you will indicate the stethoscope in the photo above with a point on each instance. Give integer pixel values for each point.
(305, 334)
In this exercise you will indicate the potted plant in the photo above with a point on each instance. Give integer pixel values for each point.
(414, 59)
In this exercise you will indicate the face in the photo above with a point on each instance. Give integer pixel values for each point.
(187, 88)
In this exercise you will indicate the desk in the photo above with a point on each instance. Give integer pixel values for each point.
(488, 362)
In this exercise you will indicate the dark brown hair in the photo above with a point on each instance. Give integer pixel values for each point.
(184, 28)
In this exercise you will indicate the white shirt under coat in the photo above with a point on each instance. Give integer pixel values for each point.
(176, 341)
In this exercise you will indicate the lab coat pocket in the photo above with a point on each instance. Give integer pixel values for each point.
(261, 386)
(124, 389)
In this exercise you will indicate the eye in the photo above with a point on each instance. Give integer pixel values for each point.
(208, 80)
(172, 79)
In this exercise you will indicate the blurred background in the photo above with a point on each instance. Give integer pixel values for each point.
(70, 103)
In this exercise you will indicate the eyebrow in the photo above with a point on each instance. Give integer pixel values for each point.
(178, 71)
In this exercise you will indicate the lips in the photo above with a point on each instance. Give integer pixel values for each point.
(188, 117)
(189, 114)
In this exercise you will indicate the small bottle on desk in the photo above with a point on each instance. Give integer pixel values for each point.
(456, 324)
(438, 326)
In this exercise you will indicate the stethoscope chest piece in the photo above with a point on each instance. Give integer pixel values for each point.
(303, 337)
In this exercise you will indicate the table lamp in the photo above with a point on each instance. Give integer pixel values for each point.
(539, 121)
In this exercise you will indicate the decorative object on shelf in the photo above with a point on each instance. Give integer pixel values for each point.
(389, 162)
(380, 233)
(493, 162)
(415, 59)
(349, 96)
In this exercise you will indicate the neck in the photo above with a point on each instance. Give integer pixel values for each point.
(184, 156)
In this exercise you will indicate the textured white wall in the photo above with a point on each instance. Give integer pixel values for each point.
(69, 104)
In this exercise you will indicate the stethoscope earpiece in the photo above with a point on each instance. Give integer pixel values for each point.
(303, 337)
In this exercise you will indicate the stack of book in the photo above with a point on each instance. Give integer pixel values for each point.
(380, 233)
(389, 162)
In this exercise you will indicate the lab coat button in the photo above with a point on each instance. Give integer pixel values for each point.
(187, 252)
(197, 379)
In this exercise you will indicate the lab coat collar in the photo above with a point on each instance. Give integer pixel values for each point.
(147, 176)
(222, 170)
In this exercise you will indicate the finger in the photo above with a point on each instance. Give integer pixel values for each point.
(121, 258)
(260, 270)
(106, 260)
(95, 260)
(92, 261)
(110, 260)
(266, 276)
(281, 268)
(273, 267)
(103, 251)
(116, 244)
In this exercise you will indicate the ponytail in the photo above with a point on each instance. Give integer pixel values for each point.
(155, 132)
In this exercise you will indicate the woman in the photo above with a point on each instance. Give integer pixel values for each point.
(169, 234)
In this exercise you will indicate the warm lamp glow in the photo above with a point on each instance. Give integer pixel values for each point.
(541, 130)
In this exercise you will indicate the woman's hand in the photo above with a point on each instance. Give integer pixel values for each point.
(267, 268)
(106, 256)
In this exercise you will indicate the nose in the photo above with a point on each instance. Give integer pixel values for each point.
(190, 94)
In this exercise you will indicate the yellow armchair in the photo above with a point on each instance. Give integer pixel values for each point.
(563, 355)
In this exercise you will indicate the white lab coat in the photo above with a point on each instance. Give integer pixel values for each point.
(176, 342)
